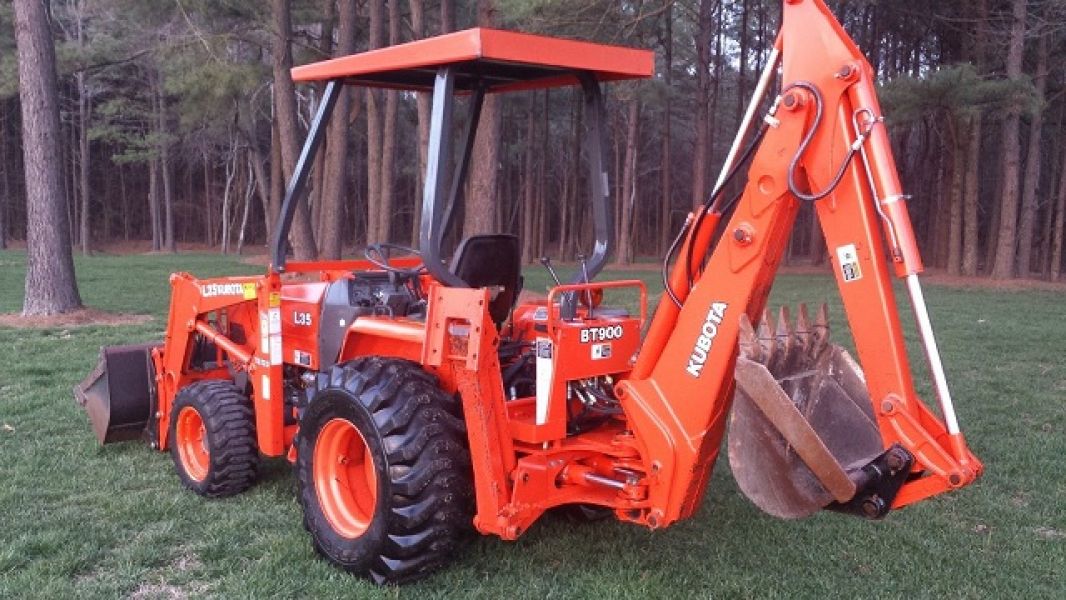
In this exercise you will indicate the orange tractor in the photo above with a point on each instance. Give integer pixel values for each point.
(416, 398)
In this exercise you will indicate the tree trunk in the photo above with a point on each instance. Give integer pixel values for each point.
(263, 187)
(231, 171)
(1003, 265)
(51, 286)
(1055, 272)
(955, 198)
(618, 181)
(529, 190)
(209, 221)
(447, 16)
(993, 225)
(1048, 222)
(542, 179)
(629, 186)
(163, 130)
(71, 181)
(154, 197)
(971, 190)
(5, 184)
(249, 191)
(388, 139)
(665, 158)
(1027, 221)
(328, 25)
(422, 100)
(742, 70)
(126, 225)
(277, 179)
(940, 228)
(302, 236)
(336, 162)
(971, 199)
(712, 120)
(188, 173)
(481, 203)
(567, 231)
(373, 132)
(701, 153)
(84, 108)
(357, 210)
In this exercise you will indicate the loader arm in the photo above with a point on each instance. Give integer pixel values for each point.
(824, 142)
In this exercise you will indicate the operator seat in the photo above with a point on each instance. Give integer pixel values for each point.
(493, 261)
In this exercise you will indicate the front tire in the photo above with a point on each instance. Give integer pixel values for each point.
(212, 439)
(383, 471)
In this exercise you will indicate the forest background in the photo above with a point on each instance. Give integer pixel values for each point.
(179, 124)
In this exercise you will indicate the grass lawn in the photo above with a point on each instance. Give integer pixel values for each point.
(79, 520)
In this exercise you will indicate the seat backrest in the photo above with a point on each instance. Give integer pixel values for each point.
(491, 261)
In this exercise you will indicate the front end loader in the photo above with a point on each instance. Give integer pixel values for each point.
(417, 398)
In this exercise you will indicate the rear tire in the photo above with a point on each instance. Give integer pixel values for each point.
(212, 439)
(383, 471)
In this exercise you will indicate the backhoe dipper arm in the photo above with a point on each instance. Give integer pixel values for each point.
(825, 143)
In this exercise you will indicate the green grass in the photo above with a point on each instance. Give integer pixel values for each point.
(78, 520)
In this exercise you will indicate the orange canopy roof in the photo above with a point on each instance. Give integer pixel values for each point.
(505, 60)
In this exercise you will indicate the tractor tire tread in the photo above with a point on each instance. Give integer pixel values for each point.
(429, 507)
(230, 422)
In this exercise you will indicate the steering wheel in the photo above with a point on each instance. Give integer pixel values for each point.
(379, 255)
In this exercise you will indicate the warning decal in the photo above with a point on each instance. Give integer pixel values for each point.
(848, 257)
(601, 351)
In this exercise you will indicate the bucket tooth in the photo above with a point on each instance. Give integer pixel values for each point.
(803, 318)
(821, 319)
(803, 328)
(782, 341)
(748, 343)
(831, 420)
(784, 322)
(819, 333)
(801, 336)
(765, 335)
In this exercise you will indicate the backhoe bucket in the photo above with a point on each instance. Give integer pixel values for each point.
(119, 393)
(802, 433)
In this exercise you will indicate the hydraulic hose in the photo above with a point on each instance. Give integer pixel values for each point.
(711, 204)
(819, 103)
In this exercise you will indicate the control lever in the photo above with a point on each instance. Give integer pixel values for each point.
(585, 274)
(547, 262)
(568, 307)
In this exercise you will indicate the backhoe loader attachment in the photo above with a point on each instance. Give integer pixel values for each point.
(802, 434)
(808, 427)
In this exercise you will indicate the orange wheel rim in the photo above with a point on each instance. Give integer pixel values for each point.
(345, 480)
(191, 440)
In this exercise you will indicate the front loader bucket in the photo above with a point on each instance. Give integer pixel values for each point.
(118, 394)
(802, 433)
